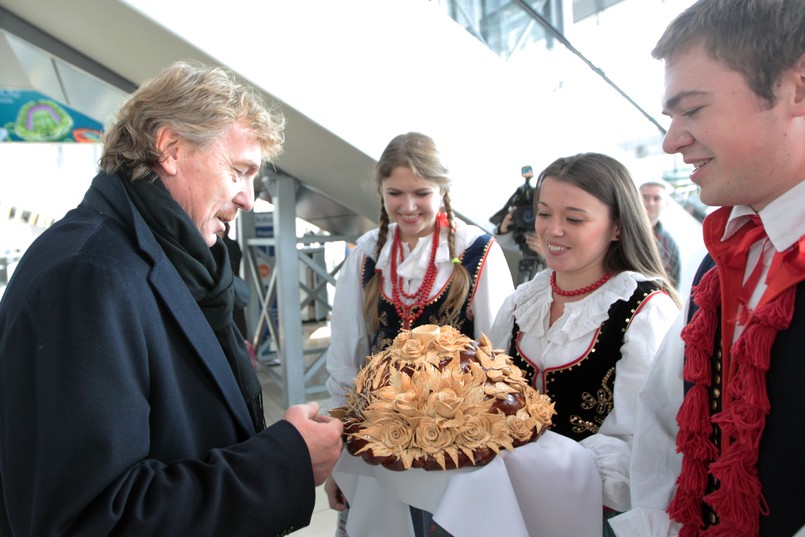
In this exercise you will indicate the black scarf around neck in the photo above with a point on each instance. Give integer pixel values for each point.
(208, 275)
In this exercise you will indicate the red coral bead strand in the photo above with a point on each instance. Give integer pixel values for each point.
(583, 291)
(420, 296)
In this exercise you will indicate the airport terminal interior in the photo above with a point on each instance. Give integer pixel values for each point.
(498, 84)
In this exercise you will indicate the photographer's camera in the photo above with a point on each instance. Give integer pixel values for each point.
(520, 209)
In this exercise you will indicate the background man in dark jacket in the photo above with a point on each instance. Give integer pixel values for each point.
(656, 199)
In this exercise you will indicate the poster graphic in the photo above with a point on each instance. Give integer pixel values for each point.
(30, 116)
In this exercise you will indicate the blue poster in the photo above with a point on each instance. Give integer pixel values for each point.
(30, 116)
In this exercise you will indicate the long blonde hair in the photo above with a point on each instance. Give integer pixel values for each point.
(417, 152)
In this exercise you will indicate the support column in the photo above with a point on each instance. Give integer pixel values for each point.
(291, 355)
(246, 231)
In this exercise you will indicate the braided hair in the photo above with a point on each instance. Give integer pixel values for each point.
(417, 152)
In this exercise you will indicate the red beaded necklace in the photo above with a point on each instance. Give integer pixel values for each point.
(412, 312)
(577, 292)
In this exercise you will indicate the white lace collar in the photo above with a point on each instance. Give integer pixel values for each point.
(533, 302)
(416, 260)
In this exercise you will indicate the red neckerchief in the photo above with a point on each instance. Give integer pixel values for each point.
(745, 404)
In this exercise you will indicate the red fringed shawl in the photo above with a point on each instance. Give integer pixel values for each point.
(738, 501)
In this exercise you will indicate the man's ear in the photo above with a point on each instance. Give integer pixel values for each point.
(168, 145)
(799, 80)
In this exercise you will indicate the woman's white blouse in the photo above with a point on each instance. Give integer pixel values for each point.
(570, 337)
(349, 339)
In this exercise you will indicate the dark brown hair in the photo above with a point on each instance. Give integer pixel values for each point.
(761, 39)
(611, 183)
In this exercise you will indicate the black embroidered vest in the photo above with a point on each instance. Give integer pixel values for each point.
(781, 455)
(583, 390)
(390, 323)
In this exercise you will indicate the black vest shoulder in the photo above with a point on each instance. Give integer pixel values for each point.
(583, 390)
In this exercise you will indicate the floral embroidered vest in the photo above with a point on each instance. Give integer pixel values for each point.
(583, 389)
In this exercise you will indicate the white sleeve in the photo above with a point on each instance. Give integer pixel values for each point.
(349, 340)
(501, 332)
(611, 446)
(493, 286)
(655, 463)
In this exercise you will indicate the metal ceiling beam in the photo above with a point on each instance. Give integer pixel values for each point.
(27, 31)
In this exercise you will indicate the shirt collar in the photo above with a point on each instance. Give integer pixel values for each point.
(783, 218)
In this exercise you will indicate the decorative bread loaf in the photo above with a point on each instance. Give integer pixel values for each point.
(436, 399)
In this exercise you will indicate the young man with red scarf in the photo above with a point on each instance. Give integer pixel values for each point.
(717, 451)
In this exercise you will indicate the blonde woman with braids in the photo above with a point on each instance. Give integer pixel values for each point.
(421, 265)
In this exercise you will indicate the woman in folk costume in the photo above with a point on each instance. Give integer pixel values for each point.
(420, 266)
(586, 329)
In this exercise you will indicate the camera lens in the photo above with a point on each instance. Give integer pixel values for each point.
(524, 217)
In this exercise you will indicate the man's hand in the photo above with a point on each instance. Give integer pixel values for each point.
(322, 435)
(506, 224)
